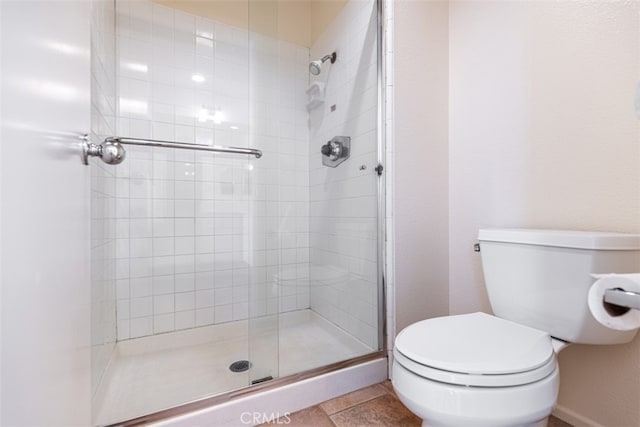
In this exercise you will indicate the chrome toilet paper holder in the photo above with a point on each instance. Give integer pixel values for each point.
(621, 300)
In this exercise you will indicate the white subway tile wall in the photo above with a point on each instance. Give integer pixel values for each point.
(343, 201)
(206, 238)
(103, 191)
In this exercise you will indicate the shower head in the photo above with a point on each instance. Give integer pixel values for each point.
(315, 67)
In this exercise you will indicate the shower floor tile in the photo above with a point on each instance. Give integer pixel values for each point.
(309, 341)
(153, 373)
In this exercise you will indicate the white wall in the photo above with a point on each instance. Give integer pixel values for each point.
(543, 134)
(343, 201)
(420, 141)
(45, 214)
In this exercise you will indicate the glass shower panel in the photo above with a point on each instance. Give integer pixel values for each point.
(342, 101)
(314, 272)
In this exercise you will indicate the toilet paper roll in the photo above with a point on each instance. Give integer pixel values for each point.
(630, 283)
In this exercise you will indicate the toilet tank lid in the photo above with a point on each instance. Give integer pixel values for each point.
(594, 240)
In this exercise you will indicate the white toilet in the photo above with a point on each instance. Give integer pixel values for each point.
(479, 370)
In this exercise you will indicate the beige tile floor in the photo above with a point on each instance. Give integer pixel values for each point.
(376, 405)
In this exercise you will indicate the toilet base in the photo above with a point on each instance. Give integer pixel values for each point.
(446, 405)
(541, 423)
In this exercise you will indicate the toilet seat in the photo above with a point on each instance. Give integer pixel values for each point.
(475, 350)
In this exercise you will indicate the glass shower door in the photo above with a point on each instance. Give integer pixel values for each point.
(314, 288)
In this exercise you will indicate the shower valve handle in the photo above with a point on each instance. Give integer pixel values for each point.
(336, 151)
(332, 150)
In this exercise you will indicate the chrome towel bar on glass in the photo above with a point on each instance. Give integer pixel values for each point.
(112, 152)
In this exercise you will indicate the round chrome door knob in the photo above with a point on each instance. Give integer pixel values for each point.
(112, 152)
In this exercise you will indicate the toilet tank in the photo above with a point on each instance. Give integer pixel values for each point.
(541, 278)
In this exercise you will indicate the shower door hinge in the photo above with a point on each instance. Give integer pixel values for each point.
(379, 169)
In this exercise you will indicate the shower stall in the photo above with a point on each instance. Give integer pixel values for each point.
(237, 217)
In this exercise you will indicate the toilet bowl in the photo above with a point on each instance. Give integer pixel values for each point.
(481, 370)
(475, 370)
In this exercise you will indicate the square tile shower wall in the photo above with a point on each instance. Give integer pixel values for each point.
(280, 202)
(192, 228)
(343, 201)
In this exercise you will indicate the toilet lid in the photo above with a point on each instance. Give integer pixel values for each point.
(475, 343)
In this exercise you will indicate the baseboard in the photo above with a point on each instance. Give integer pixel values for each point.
(573, 418)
